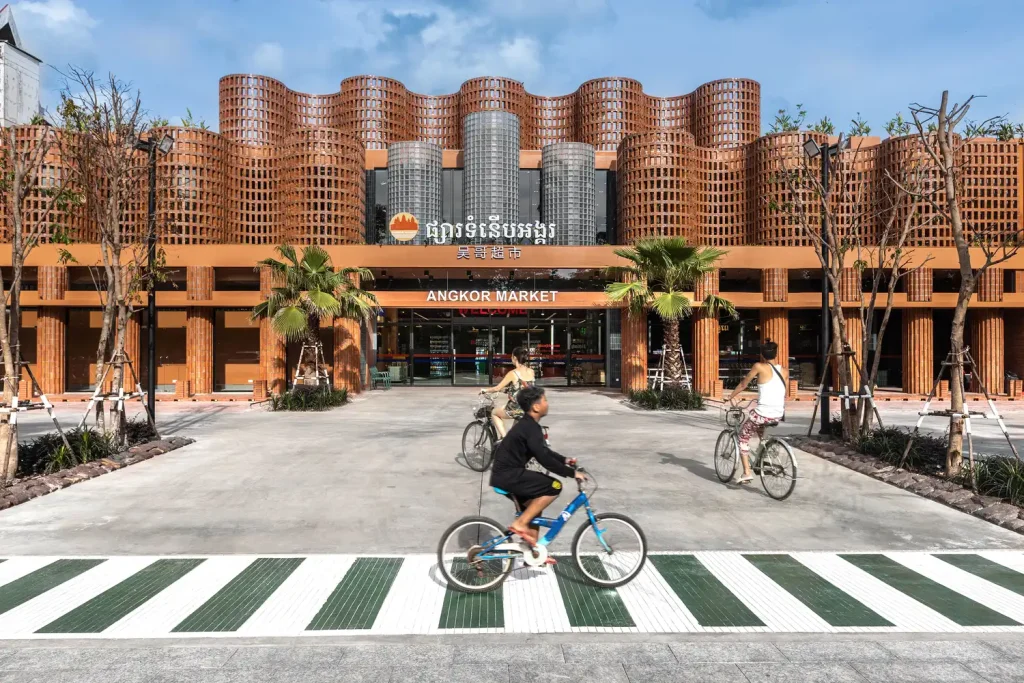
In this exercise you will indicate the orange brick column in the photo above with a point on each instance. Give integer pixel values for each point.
(132, 341)
(199, 331)
(775, 321)
(273, 358)
(705, 341)
(347, 364)
(919, 335)
(850, 292)
(634, 352)
(987, 334)
(51, 330)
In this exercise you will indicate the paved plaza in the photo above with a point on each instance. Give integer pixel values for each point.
(300, 547)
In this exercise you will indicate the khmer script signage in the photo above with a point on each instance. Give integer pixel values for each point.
(512, 233)
(522, 296)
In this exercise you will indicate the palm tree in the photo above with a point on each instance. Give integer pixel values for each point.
(310, 289)
(661, 269)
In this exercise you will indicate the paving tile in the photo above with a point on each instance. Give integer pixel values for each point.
(397, 654)
(911, 672)
(685, 673)
(834, 651)
(1003, 672)
(494, 672)
(800, 673)
(567, 673)
(57, 658)
(527, 652)
(954, 650)
(618, 653)
(726, 652)
(264, 657)
(1012, 649)
(176, 658)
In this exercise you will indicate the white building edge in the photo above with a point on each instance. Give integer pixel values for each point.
(19, 75)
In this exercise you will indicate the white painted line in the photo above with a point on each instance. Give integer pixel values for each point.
(654, 606)
(172, 605)
(41, 610)
(18, 567)
(533, 603)
(970, 586)
(901, 610)
(414, 603)
(1013, 560)
(779, 610)
(288, 611)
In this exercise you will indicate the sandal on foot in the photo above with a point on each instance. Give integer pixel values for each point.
(746, 479)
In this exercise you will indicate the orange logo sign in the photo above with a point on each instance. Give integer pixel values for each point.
(404, 227)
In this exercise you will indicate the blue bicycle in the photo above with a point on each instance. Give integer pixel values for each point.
(476, 554)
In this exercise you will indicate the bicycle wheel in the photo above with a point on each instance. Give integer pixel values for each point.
(727, 452)
(778, 469)
(618, 559)
(458, 555)
(477, 446)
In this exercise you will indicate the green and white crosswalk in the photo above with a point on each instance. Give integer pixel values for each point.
(812, 592)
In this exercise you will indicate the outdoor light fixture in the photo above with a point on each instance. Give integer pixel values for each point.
(811, 148)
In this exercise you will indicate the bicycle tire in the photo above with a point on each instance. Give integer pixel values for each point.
(772, 442)
(443, 566)
(587, 573)
(480, 464)
(722, 470)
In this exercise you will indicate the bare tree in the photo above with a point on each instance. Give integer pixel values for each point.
(27, 175)
(107, 119)
(936, 127)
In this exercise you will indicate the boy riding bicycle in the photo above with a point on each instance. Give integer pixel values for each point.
(771, 402)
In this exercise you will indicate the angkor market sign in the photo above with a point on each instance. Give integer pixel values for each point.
(522, 296)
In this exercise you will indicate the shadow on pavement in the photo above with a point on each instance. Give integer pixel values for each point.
(701, 470)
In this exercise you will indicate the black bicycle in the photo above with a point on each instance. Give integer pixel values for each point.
(480, 438)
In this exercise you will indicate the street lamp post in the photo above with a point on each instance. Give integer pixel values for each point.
(812, 149)
(151, 146)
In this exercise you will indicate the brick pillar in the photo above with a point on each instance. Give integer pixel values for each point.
(347, 364)
(919, 334)
(273, 351)
(854, 335)
(849, 285)
(199, 349)
(986, 345)
(1015, 341)
(53, 282)
(199, 283)
(634, 351)
(51, 349)
(990, 285)
(705, 341)
(918, 350)
(775, 326)
(1018, 282)
(775, 284)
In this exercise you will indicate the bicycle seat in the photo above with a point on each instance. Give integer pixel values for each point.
(510, 496)
(500, 492)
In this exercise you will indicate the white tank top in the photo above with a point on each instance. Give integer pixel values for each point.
(771, 396)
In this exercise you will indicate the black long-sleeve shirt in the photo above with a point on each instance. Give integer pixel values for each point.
(524, 441)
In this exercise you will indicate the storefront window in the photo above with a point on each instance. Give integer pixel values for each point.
(236, 351)
(171, 341)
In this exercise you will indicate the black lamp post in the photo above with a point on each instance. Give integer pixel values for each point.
(812, 149)
(151, 146)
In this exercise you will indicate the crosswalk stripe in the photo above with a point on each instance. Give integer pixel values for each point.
(779, 610)
(413, 605)
(166, 610)
(18, 567)
(291, 607)
(241, 597)
(999, 574)
(821, 597)
(906, 613)
(479, 612)
(32, 615)
(533, 602)
(702, 594)
(653, 605)
(41, 580)
(946, 601)
(590, 607)
(121, 599)
(983, 592)
(357, 596)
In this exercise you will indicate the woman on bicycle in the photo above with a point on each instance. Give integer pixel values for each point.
(771, 402)
(521, 375)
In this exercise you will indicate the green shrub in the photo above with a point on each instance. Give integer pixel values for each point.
(668, 399)
(301, 399)
(1002, 477)
(927, 454)
(47, 454)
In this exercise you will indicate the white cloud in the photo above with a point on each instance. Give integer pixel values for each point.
(268, 58)
(41, 21)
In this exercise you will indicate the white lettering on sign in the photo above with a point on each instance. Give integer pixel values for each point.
(543, 296)
(531, 233)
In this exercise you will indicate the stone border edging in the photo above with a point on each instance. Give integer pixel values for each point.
(989, 508)
(24, 490)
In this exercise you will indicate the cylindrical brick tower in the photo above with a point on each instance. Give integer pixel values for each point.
(657, 186)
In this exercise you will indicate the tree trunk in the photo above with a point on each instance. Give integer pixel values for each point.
(8, 440)
(955, 444)
(673, 358)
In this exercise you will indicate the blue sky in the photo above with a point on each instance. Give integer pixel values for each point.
(837, 57)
